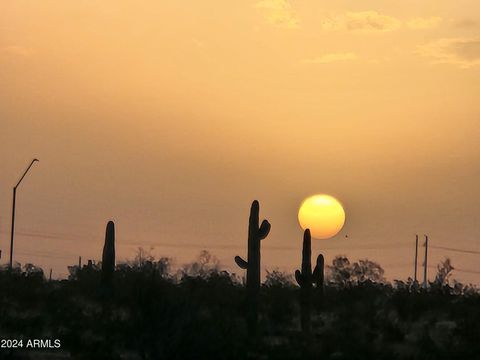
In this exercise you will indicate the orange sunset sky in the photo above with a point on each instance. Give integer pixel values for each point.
(170, 117)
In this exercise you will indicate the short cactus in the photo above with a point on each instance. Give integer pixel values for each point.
(256, 233)
(306, 279)
(108, 258)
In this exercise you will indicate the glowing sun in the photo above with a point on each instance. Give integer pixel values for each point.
(323, 215)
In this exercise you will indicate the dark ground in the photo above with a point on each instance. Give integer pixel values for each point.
(199, 314)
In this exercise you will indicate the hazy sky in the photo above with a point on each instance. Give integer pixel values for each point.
(170, 117)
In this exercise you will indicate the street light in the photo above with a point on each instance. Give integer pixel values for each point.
(13, 211)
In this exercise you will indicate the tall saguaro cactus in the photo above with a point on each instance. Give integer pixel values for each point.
(306, 278)
(256, 233)
(108, 258)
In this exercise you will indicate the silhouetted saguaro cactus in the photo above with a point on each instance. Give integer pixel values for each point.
(306, 279)
(108, 258)
(256, 233)
(318, 273)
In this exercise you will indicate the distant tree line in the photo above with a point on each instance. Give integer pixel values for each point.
(198, 312)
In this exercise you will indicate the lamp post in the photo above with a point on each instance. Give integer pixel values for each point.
(13, 212)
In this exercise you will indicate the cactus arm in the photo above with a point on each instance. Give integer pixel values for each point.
(300, 279)
(241, 263)
(264, 230)
(318, 273)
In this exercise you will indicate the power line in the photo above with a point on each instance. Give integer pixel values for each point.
(76, 237)
(467, 271)
(391, 265)
(455, 249)
(70, 237)
(218, 246)
(52, 256)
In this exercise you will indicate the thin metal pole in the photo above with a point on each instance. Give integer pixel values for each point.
(79, 262)
(13, 213)
(416, 258)
(425, 263)
(25, 173)
(12, 231)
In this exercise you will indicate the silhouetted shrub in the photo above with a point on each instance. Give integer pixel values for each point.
(154, 315)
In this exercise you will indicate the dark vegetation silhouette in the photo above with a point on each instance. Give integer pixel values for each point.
(306, 279)
(160, 314)
(108, 256)
(256, 234)
(201, 312)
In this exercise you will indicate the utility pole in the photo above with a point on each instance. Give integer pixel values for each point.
(425, 263)
(13, 212)
(416, 258)
(79, 262)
